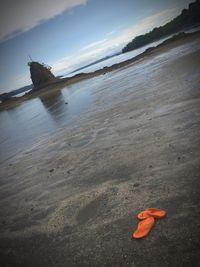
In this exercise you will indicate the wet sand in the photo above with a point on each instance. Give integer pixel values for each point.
(51, 89)
(71, 199)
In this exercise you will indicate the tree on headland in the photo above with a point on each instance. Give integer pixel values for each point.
(188, 18)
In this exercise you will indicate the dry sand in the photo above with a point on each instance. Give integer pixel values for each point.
(72, 199)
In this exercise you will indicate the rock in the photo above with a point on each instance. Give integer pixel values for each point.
(41, 75)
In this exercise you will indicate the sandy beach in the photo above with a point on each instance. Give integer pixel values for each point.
(72, 198)
(52, 88)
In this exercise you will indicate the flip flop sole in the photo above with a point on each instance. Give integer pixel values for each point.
(154, 212)
(144, 227)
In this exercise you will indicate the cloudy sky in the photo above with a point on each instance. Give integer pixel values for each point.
(67, 34)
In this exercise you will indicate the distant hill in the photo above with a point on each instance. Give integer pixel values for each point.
(96, 62)
(188, 18)
(6, 96)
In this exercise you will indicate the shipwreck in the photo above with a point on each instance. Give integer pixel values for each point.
(41, 75)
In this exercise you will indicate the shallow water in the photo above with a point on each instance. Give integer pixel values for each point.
(25, 124)
(38, 117)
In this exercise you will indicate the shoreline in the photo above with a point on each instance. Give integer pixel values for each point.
(174, 41)
(72, 197)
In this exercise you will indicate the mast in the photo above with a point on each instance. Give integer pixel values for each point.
(30, 58)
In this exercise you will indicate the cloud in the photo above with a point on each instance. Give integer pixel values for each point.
(92, 45)
(18, 16)
(110, 33)
(101, 48)
(62, 65)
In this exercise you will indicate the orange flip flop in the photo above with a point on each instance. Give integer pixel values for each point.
(154, 212)
(144, 227)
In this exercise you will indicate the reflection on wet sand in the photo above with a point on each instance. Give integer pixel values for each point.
(55, 104)
(42, 116)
